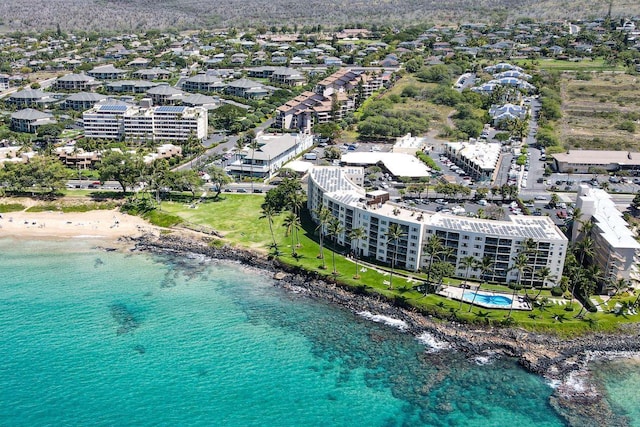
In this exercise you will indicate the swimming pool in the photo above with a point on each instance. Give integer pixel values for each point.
(486, 299)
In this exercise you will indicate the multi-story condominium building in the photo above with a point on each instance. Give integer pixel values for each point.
(478, 159)
(166, 123)
(164, 94)
(273, 151)
(615, 249)
(288, 76)
(4, 82)
(76, 82)
(332, 99)
(83, 100)
(107, 72)
(500, 241)
(129, 86)
(30, 98)
(105, 121)
(152, 74)
(203, 83)
(29, 120)
(163, 123)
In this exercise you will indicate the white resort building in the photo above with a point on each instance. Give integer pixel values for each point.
(145, 123)
(615, 249)
(500, 241)
(478, 159)
(272, 152)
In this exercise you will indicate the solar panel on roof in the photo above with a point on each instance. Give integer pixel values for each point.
(113, 108)
(171, 109)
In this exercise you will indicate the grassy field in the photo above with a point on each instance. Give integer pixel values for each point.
(237, 217)
(595, 111)
(597, 64)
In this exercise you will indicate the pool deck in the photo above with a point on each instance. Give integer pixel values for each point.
(456, 293)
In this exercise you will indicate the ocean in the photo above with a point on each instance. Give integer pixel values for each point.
(99, 338)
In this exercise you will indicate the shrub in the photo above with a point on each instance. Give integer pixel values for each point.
(556, 291)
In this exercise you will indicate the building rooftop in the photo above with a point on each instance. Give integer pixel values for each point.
(483, 154)
(611, 223)
(515, 226)
(30, 114)
(398, 164)
(597, 157)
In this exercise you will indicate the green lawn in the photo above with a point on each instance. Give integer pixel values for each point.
(237, 217)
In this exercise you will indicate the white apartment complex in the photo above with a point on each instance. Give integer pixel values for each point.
(478, 159)
(272, 153)
(615, 249)
(501, 241)
(163, 123)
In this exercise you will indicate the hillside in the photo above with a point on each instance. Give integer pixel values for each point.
(124, 15)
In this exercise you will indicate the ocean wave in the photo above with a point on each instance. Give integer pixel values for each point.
(389, 321)
(487, 358)
(431, 342)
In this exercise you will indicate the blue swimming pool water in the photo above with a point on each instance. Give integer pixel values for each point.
(488, 299)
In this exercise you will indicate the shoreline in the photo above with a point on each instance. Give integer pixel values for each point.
(564, 363)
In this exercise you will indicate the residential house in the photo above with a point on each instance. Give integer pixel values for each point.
(29, 120)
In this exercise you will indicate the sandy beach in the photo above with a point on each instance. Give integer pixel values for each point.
(105, 224)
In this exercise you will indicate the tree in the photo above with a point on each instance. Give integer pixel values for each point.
(324, 215)
(254, 146)
(219, 178)
(188, 180)
(240, 147)
(520, 264)
(393, 235)
(292, 224)
(543, 274)
(468, 263)
(268, 212)
(335, 229)
(432, 248)
(126, 168)
(357, 234)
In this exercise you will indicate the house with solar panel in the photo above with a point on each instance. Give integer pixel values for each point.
(500, 241)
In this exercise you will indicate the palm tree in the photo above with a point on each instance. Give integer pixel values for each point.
(468, 262)
(295, 202)
(520, 264)
(544, 275)
(292, 224)
(253, 145)
(485, 266)
(617, 285)
(393, 234)
(324, 215)
(433, 247)
(357, 234)
(335, 229)
(240, 147)
(269, 212)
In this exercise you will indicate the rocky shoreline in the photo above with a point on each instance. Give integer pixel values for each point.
(562, 362)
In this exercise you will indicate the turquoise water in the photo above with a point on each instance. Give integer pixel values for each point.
(107, 338)
(620, 379)
(488, 299)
